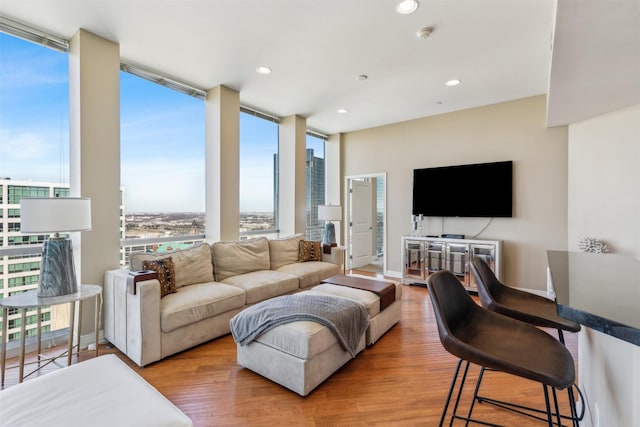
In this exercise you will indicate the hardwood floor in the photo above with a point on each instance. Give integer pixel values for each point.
(402, 380)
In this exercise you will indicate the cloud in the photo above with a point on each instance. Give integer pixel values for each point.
(23, 146)
(28, 155)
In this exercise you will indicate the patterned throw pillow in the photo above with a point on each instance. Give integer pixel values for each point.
(309, 251)
(166, 274)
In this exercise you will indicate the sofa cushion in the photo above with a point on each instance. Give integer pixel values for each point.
(197, 302)
(166, 274)
(309, 251)
(192, 265)
(261, 285)
(239, 257)
(284, 251)
(310, 273)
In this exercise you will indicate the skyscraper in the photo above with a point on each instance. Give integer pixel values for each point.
(315, 195)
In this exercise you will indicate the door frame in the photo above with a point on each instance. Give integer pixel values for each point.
(347, 205)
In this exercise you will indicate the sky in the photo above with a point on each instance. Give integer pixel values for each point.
(161, 135)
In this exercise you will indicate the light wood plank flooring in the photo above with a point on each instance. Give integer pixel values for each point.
(402, 380)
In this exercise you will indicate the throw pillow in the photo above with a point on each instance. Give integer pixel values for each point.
(166, 274)
(309, 251)
(191, 265)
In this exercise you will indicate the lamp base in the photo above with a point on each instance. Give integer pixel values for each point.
(58, 274)
(329, 233)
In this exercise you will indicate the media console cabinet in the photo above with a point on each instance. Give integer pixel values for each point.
(423, 256)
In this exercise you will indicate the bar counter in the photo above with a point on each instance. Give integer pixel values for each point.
(602, 293)
(599, 291)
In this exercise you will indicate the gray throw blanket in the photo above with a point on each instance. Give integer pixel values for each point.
(347, 319)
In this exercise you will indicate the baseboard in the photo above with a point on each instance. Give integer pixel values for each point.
(394, 274)
(89, 339)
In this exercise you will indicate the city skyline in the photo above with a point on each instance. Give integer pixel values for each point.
(162, 135)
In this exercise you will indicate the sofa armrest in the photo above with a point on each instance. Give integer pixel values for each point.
(336, 257)
(132, 322)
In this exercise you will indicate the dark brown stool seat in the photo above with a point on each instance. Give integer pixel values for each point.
(491, 340)
(521, 305)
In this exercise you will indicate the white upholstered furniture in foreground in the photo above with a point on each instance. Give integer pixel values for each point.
(101, 392)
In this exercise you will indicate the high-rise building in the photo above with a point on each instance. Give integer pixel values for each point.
(315, 195)
(20, 271)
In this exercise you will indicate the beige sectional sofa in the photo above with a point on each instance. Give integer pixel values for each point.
(213, 282)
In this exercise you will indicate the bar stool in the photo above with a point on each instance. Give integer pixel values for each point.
(490, 340)
(521, 305)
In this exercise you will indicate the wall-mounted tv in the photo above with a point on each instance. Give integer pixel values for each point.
(475, 190)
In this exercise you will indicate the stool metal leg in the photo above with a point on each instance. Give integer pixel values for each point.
(572, 400)
(454, 414)
(475, 394)
(555, 401)
(453, 383)
(455, 407)
(546, 401)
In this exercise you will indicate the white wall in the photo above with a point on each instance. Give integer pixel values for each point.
(604, 180)
(604, 202)
(508, 131)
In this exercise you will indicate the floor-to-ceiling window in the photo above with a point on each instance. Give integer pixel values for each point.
(34, 160)
(162, 142)
(315, 191)
(258, 175)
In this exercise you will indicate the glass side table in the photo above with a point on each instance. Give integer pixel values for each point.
(30, 299)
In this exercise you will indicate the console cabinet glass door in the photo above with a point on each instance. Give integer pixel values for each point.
(488, 255)
(414, 260)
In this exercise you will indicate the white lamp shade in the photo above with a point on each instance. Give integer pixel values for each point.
(54, 215)
(329, 213)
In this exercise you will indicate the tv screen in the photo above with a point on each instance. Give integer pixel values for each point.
(476, 190)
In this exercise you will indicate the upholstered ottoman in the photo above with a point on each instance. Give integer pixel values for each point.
(379, 321)
(298, 355)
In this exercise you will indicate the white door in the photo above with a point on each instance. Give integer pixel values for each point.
(361, 226)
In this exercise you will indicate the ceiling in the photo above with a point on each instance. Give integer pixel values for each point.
(499, 49)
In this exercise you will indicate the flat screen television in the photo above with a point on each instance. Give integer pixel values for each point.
(475, 190)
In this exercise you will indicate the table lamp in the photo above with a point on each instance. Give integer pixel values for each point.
(329, 213)
(41, 215)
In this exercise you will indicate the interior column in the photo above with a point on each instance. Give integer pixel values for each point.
(94, 122)
(334, 179)
(292, 177)
(222, 164)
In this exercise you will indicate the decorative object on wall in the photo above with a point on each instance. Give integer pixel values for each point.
(44, 215)
(592, 245)
(329, 213)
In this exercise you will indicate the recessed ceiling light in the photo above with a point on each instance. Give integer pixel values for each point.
(342, 110)
(263, 70)
(406, 7)
(362, 77)
(453, 82)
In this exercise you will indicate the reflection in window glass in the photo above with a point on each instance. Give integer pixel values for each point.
(258, 176)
